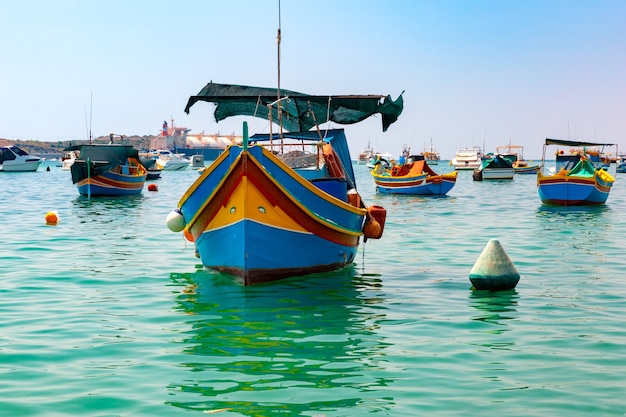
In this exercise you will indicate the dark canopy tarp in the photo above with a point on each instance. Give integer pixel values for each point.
(574, 143)
(498, 162)
(300, 111)
(101, 158)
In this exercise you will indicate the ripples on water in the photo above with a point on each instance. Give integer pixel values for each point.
(109, 313)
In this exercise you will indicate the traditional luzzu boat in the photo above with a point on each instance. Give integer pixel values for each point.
(108, 170)
(523, 167)
(496, 168)
(413, 177)
(515, 154)
(281, 204)
(576, 180)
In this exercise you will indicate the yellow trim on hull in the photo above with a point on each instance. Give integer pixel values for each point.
(247, 202)
(285, 167)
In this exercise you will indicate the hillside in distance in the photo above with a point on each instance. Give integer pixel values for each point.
(55, 149)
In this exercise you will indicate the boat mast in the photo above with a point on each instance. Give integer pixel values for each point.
(280, 112)
(90, 114)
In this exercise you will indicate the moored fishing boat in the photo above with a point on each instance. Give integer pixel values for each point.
(365, 155)
(523, 167)
(153, 172)
(431, 155)
(413, 177)
(576, 180)
(495, 168)
(515, 154)
(108, 170)
(281, 204)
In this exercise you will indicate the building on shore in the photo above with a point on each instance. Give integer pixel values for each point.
(178, 139)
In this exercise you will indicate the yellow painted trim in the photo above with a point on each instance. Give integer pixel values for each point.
(247, 202)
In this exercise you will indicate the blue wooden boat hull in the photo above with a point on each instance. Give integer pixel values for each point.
(280, 255)
(112, 184)
(252, 216)
(424, 188)
(571, 191)
(413, 178)
(531, 169)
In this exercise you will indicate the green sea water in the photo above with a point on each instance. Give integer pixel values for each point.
(109, 314)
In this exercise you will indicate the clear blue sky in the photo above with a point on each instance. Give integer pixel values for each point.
(474, 72)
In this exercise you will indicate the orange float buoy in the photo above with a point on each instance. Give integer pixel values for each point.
(153, 187)
(379, 213)
(374, 222)
(52, 217)
(188, 235)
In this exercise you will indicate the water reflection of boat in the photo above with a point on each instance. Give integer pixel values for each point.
(302, 338)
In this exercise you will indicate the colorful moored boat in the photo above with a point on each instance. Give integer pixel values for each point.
(582, 184)
(108, 170)
(495, 168)
(413, 177)
(283, 205)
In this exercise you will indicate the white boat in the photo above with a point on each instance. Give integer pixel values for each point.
(466, 159)
(166, 160)
(365, 155)
(67, 160)
(14, 159)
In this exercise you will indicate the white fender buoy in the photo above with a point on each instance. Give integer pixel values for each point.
(175, 221)
(494, 270)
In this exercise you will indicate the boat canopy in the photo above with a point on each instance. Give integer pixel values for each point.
(300, 112)
(336, 137)
(574, 143)
(497, 162)
(101, 158)
(115, 154)
(583, 168)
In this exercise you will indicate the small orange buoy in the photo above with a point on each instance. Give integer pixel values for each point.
(153, 187)
(374, 222)
(52, 217)
(188, 235)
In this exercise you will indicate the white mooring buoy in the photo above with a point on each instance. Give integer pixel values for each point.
(494, 270)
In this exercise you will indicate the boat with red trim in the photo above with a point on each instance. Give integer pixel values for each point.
(576, 180)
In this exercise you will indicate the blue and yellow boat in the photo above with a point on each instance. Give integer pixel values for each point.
(281, 205)
(577, 181)
(414, 177)
(108, 170)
